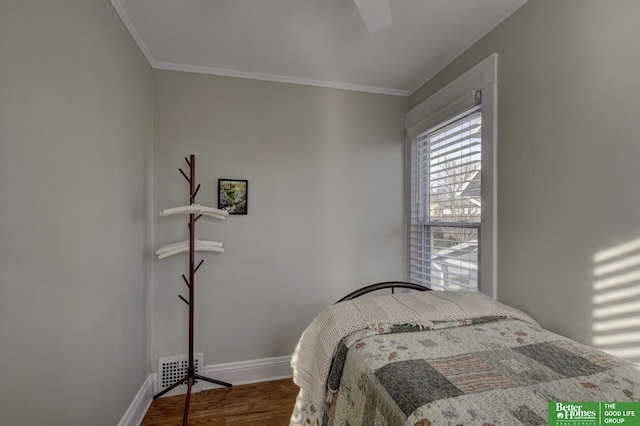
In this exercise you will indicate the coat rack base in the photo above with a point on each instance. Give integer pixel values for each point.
(190, 378)
(195, 377)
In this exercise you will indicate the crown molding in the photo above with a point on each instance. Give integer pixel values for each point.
(243, 74)
(440, 65)
(132, 30)
(279, 79)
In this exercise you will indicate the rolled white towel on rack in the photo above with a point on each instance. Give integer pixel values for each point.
(183, 246)
(174, 246)
(185, 243)
(196, 209)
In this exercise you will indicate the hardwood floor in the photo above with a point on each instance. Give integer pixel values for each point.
(263, 404)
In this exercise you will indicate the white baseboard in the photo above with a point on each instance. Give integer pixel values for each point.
(246, 372)
(140, 404)
(236, 373)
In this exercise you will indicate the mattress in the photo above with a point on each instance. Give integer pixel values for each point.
(486, 370)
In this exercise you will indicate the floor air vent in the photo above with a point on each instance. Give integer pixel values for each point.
(173, 368)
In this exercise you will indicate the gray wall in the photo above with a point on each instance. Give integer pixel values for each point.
(325, 207)
(75, 138)
(568, 154)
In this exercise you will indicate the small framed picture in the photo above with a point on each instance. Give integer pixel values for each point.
(233, 195)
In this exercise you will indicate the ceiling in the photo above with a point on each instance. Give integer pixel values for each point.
(314, 42)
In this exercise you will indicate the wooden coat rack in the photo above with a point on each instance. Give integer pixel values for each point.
(195, 212)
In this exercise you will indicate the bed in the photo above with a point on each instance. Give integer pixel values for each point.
(439, 358)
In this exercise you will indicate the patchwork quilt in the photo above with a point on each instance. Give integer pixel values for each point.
(481, 371)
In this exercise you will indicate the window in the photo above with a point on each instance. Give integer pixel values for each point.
(451, 235)
(446, 203)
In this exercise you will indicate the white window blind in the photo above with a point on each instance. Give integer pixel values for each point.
(446, 203)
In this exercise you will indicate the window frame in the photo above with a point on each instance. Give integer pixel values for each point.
(449, 101)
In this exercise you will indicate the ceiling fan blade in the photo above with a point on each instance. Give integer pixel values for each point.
(375, 13)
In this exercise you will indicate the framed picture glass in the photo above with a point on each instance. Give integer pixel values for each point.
(233, 195)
